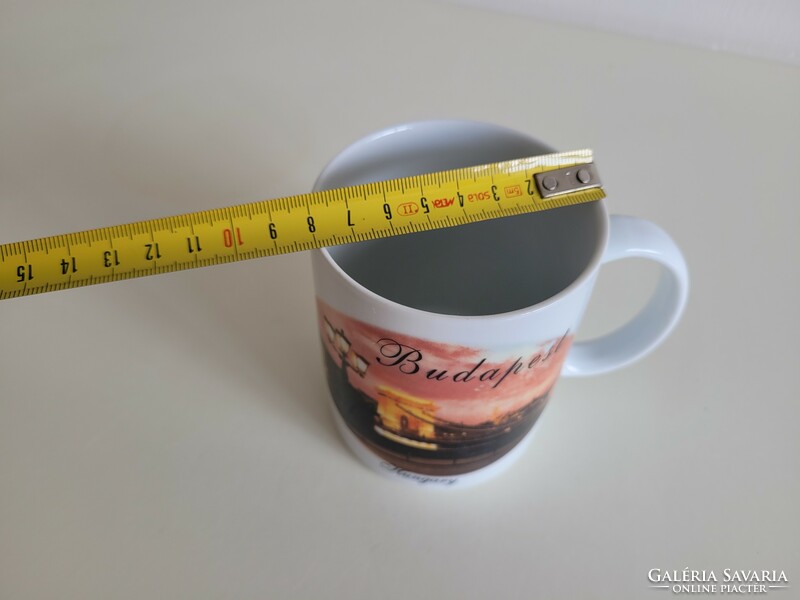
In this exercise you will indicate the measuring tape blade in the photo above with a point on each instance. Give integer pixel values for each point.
(302, 222)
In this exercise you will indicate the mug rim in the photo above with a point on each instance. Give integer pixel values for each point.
(591, 267)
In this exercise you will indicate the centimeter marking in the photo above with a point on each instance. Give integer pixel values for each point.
(289, 224)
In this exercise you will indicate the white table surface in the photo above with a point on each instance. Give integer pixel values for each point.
(170, 437)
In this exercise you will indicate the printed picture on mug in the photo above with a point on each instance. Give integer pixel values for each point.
(434, 408)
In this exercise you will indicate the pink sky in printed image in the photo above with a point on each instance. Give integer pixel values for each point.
(468, 402)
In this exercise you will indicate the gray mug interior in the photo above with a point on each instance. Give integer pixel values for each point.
(484, 268)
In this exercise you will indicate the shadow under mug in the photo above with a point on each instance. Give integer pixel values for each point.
(441, 348)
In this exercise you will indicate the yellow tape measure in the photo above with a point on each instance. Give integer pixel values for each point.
(302, 222)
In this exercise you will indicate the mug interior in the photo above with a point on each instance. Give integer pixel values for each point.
(485, 268)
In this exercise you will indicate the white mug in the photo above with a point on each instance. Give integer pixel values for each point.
(441, 348)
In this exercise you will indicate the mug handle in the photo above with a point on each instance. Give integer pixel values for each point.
(630, 237)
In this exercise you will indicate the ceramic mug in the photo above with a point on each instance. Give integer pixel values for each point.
(441, 348)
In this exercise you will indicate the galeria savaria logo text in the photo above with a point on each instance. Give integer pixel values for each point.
(727, 581)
